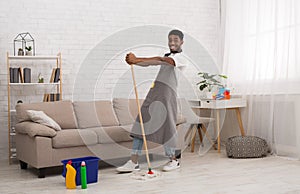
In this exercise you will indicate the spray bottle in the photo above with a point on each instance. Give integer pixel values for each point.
(70, 176)
(83, 175)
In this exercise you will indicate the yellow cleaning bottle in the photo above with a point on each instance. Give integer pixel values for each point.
(70, 176)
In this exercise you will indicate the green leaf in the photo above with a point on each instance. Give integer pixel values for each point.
(223, 76)
(209, 81)
(202, 87)
(204, 81)
(214, 80)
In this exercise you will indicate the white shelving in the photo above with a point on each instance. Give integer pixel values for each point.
(41, 57)
(57, 63)
(33, 84)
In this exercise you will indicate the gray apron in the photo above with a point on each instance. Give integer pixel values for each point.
(159, 110)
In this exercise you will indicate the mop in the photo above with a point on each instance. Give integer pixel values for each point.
(151, 173)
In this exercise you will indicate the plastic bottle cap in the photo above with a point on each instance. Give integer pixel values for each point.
(83, 163)
(70, 162)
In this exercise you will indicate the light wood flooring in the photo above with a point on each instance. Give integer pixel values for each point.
(211, 173)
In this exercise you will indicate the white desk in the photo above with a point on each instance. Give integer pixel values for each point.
(217, 105)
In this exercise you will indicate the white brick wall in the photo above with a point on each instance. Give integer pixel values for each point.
(74, 28)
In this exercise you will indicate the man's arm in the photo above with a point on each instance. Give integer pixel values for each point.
(132, 59)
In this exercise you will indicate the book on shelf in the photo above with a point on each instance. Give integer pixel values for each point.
(57, 97)
(21, 74)
(53, 79)
(51, 97)
(27, 75)
(46, 98)
(52, 75)
(11, 75)
(15, 75)
(54, 97)
(57, 75)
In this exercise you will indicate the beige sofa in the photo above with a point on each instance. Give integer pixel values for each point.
(95, 128)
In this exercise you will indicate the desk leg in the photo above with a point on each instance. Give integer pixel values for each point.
(193, 138)
(218, 130)
(238, 115)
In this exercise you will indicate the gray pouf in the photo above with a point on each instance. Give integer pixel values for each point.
(246, 147)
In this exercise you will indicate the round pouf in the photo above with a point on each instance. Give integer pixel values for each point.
(246, 147)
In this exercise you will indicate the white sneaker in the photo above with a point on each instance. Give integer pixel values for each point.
(171, 165)
(129, 167)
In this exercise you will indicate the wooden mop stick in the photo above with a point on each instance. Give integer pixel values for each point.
(141, 118)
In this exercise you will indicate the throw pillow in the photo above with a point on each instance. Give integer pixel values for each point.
(43, 119)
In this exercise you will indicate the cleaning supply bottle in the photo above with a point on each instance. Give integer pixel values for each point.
(70, 176)
(83, 175)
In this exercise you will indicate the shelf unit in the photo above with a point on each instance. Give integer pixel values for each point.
(22, 86)
(33, 84)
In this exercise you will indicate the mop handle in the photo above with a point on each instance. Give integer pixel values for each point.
(140, 116)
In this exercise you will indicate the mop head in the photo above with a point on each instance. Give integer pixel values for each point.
(145, 175)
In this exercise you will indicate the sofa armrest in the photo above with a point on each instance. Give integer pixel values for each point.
(34, 129)
(180, 119)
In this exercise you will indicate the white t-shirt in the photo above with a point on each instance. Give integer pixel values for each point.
(180, 61)
(168, 74)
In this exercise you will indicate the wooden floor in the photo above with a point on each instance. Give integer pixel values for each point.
(211, 173)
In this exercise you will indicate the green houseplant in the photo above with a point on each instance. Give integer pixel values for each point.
(28, 50)
(210, 81)
(41, 79)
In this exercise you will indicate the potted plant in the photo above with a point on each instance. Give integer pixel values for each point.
(209, 82)
(28, 50)
(41, 79)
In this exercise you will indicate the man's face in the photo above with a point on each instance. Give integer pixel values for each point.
(175, 43)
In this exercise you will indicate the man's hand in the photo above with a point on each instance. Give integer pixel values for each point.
(131, 59)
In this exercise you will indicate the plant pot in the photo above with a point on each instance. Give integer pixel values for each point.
(29, 53)
(209, 95)
(41, 80)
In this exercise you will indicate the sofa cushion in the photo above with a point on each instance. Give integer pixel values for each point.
(34, 129)
(106, 114)
(95, 114)
(113, 134)
(74, 137)
(41, 118)
(60, 111)
(126, 110)
(86, 114)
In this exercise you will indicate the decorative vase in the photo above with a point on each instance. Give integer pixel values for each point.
(29, 53)
(20, 52)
